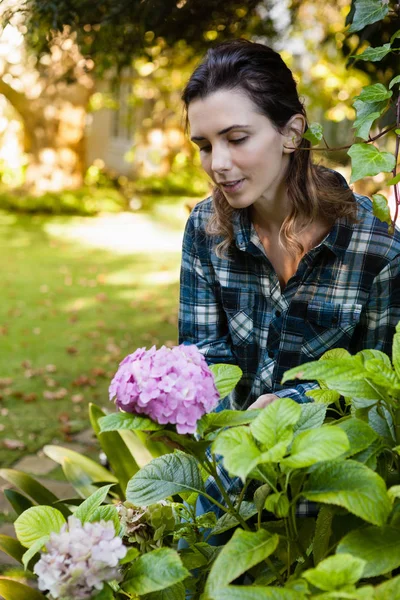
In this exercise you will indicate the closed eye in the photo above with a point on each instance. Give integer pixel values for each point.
(239, 140)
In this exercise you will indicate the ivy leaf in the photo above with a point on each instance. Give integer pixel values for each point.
(380, 207)
(363, 125)
(368, 161)
(373, 54)
(314, 133)
(367, 12)
(226, 378)
(394, 81)
(374, 93)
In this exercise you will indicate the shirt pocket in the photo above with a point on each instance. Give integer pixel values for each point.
(238, 305)
(328, 326)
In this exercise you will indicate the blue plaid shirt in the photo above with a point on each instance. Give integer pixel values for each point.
(345, 294)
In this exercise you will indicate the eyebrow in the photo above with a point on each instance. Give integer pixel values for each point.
(200, 139)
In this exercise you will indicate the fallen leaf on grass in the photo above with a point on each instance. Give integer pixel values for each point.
(72, 350)
(84, 380)
(32, 397)
(13, 444)
(98, 372)
(51, 368)
(76, 398)
(5, 382)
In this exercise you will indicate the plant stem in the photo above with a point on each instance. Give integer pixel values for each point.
(376, 137)
(275, 570)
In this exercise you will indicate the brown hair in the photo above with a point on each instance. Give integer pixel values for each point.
(261, 73)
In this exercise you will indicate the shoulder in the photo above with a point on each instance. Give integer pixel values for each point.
(201, 213)
(371, 235)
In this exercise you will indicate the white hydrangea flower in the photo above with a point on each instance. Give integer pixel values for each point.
(79, 559)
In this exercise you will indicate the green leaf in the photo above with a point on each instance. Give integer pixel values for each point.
(363, 125)
(314, 133)
(379, 547)
(228, 521)
(374, 93)
(367, 160)
(380, 207)
(105, 594)
(107, 512)
(129, 556)
(394, 80)
(154, 571)
(84, 510)
(394, 180)
(389, 590)
(244, 550)
(323, 396)
(316, 445)
(335, 572)
(78, 478)
(359, 434)
(29, 486)
(352, 485)
(37, 522)
(226, 377)
(395, 355)
(12, 547)
(119, 456)
(323, 532)
(260, 496)
(124, 420)
(225, 418)
(10, 589)
(372, 354)
(174, 592)
(18, 501)
(374, 54)
(163, 477)
(96, 472)
(380, 419)
(241, 592)
(367, 12)
(238, 449)
(275, 422)
(34, 549)
(278, 504)
(312, 416)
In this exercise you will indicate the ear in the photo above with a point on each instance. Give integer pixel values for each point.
(293, 132)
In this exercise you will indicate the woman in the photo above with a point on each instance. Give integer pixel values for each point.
(284, 262)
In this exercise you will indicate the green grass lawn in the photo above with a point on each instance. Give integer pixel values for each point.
(70, 311)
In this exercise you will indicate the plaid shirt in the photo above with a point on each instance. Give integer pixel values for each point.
(345, 294)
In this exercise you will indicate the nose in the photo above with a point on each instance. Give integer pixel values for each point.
(221, 159)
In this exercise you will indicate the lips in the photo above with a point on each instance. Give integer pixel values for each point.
(232, 186)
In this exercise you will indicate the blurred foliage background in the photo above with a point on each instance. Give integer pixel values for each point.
(97, 174)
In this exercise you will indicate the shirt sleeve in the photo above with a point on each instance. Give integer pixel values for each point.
(298, 393)
(381, 313)
(201, 318)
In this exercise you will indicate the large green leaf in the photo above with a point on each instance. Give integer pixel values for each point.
(10, 589)
(85, 510)
(29, 486)
(363, 124)
(375, 93)
(12, 547)
(352, 485)
(96, 472)
(107, 512)
(359, 433)
(228, 521)
(316, 445)
(163, 477)
(78, 478)
(174, 592)
(367, 12)
(335, 572)
(18, 501)
(36, 523)
(379, 547)
(323, 532)
(275, 422)
(389, 590)
(367, 161)
(236, 592)
(118, 454)
(322, 396)
(395, 350)
(34, 549)
(394, 81)
(226, 377)
(238, 449)
(124, 420)
(225, 418)
(374, 54)
(154, 571)
(244, 550)
(312, 416)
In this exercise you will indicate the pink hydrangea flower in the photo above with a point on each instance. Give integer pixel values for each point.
(169, 385)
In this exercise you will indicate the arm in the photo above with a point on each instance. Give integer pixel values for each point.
(201, 318)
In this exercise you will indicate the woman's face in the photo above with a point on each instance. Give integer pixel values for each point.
(240, 149)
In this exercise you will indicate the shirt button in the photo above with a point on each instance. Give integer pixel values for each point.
(278, 313)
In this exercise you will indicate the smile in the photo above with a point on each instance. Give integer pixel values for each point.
(232, 186)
